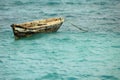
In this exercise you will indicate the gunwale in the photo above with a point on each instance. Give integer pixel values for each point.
(40, 23)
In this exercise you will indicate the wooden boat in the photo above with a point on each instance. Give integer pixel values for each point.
(39, 26)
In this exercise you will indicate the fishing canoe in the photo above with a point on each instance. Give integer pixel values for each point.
(38, 26)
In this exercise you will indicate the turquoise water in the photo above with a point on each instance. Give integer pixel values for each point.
(69, 54)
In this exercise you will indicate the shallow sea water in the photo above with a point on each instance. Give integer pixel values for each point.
(69, 54)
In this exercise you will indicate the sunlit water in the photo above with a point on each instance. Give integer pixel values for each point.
(69, 54)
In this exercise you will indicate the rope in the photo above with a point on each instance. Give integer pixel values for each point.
(78, 27)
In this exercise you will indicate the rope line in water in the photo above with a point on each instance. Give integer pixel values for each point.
(78, 27)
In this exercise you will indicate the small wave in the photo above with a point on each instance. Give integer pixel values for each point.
(16, 79)
(1, 61)
(74, 3)
(72, 78)
(109, 24)
(50, 76)
(60, 39)
(71, 3)
(83, 60)
(4, 8)
(118, 33)
(112, 19)
(86, 75)
(53, 3)
(100, 3)
(18, 3)
(51, 15)
(70, 16)
(106, 77)
(116, 46)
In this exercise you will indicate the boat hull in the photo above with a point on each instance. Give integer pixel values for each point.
(20, 32)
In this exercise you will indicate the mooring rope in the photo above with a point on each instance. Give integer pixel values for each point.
(78, 27)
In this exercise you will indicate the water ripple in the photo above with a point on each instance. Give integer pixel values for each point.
(105, 77)
(116, 46)
(53, 3)
(51, 76)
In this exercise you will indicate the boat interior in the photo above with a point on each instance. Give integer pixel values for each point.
(40, 23)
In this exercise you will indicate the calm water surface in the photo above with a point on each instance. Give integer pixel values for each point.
(69, 54)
